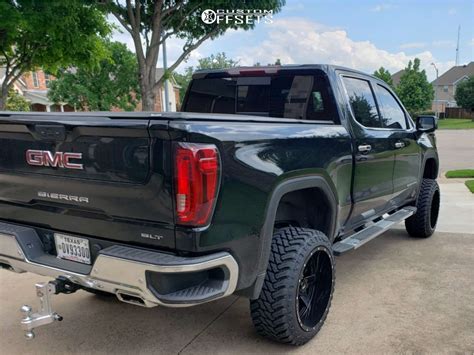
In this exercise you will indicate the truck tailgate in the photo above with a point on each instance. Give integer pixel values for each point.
(89, 175)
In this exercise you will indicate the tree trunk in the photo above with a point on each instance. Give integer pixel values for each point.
(147, 84)
(148, 100)
(3, 96)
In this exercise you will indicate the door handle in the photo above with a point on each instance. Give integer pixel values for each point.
(365, 148)
(399, 145)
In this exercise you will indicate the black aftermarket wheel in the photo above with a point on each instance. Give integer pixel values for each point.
(423, 223)
(298, 287)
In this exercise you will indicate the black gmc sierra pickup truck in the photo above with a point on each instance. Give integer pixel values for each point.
(267, 175)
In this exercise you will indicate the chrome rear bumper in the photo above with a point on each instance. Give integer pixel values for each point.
(132, 274)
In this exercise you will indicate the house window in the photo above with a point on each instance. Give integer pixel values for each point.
(35, 80)
(445, 88)
(47, 79)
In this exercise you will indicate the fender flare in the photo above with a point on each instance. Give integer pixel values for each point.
(266, 233)
(429, 154)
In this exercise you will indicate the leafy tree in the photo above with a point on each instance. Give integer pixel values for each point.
(16, 102)
(414, 89)
(183, 81)
(47, 34)
(217, 61)
(112, 83)
(464, 95)
(366, 113)
(277, 62)
(384, 74)
(151, 22)
(214, 61)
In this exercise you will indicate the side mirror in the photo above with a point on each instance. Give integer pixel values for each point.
(426, 124)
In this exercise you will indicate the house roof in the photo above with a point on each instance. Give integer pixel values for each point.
(396, 77)
(454, 74)
(37, 97)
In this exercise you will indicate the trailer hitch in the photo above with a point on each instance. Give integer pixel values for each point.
(45, 314)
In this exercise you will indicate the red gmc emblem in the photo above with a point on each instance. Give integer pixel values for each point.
(55, 160)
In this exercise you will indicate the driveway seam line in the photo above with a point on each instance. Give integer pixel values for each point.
(207, 326)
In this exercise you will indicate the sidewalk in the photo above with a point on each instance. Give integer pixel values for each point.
(457, 207)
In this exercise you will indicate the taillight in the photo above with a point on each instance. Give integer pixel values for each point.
(197, 178)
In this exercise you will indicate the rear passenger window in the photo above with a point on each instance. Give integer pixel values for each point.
(392, 114)
(362, 102)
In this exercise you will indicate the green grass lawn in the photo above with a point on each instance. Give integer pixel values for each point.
(460, 174)
(456, 123)
(470, 185)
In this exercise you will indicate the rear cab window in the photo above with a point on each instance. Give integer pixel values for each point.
(303, 96)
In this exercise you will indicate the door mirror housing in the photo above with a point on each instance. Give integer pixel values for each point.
(426, 124)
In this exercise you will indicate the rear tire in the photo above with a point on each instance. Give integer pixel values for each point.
(298, 287)
(423, 223)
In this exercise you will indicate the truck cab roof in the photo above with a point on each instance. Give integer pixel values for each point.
(272, 69)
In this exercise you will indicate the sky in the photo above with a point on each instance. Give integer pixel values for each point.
(360, 34)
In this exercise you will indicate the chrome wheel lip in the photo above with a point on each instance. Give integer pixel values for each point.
(297, 304)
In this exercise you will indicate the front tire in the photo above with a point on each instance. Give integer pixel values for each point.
(298, 287)
(423, 223)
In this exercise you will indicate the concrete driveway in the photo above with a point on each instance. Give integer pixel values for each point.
(455, 149)
(395, 294)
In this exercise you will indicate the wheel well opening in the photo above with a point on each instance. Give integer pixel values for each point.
(431, 169)
(307, 208)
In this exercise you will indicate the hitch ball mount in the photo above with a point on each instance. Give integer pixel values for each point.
(45, 314)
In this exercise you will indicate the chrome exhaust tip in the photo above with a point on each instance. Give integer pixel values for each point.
(131, 299)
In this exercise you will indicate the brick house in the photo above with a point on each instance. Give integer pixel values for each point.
(34, 87)
(445, 86)
(36, 92)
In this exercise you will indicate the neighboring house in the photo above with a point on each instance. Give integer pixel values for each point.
(36, 92)
(34, 87)
(396, 77)
(445, 86)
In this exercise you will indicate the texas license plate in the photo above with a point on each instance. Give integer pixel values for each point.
(72, 248)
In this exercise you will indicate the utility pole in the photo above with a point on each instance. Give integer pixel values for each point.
(457, 47)
(165, 83)
(436, 91)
